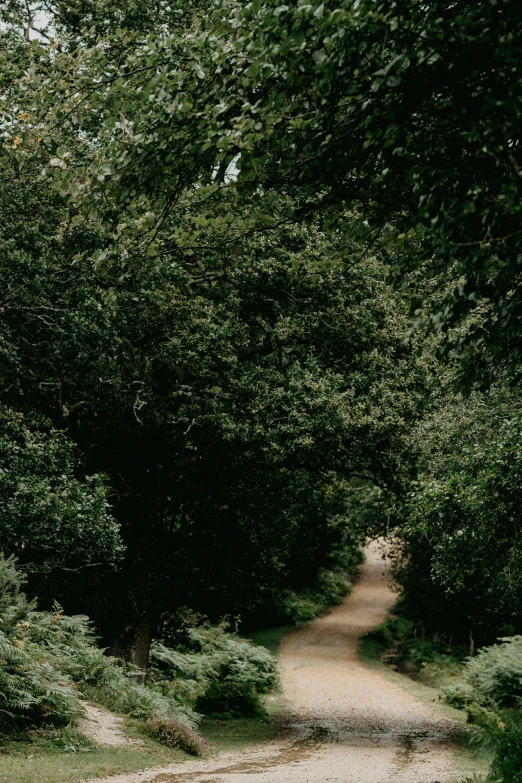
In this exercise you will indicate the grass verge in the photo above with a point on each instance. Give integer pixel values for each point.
(270, 637)
(60, 755)
(229, 735)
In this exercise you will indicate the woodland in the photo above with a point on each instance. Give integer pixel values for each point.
(259, 304)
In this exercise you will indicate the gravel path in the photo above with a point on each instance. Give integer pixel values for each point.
(104, 728)
(347, 723)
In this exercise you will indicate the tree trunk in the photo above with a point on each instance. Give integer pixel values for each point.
(132, 642)
(123, 610)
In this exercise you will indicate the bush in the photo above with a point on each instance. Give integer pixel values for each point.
(492, 695)
(429, 659)
(459, 695)
(175, 734)
(49, 660)
(502, 733)
(391, 631)
(70, 644)
(32, 688)
(50, 519)
(224, 699)
(219, 673)
(495, 673)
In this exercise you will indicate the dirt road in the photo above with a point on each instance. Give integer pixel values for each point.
(347, 723)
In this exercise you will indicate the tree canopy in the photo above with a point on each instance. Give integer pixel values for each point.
(392, 121)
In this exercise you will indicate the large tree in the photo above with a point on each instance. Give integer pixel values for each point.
(402, 115)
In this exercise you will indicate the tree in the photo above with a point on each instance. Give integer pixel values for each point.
(461, 519)
(49, 517)
(200, 384)
(401, 115)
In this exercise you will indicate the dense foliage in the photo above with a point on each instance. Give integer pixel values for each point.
(221, 674)
(215, 220)
(198, 387)
(461, 520)
(51, 661)
(492, 692)
(49, 516)
(396, 121)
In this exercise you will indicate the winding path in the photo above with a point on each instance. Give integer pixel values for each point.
(347, 723)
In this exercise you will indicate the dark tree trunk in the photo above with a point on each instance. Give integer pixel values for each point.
(132, 641)
(124, 613)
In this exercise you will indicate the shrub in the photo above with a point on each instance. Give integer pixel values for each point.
(32, 687)
(219, 674)
(492, 694)
(49, 660)
(391, 631)
(224, 699)
(175, 734)
(459, 695)
(495, 673)
(50, 519)
(69, 641)
(330, 588)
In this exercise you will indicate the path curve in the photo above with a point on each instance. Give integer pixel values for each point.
(104, 728)
(347, 723)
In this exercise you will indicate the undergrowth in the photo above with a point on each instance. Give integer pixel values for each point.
(219, 673)
(297, 607)
(431, 661)
(50, 662)
(488, 686)
(175, 734)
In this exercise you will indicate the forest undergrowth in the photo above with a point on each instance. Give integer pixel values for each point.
(205, 689)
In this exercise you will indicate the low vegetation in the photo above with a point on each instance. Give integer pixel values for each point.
(175, 734)
(487, 685)
(50, 662)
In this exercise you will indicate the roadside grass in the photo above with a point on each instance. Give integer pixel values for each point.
(469, 761)
(59, 755)
(229, 735)
(270, 637)
(64, 755)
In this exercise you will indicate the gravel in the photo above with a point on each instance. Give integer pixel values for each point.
(104, 728)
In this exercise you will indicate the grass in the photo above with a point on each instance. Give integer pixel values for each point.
(63, 755)
(226, 735)
(270, 637)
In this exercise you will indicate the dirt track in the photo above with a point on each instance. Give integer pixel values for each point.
(347, 724)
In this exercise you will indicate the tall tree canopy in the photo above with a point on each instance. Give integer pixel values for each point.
(403, 114)
(236, 400)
